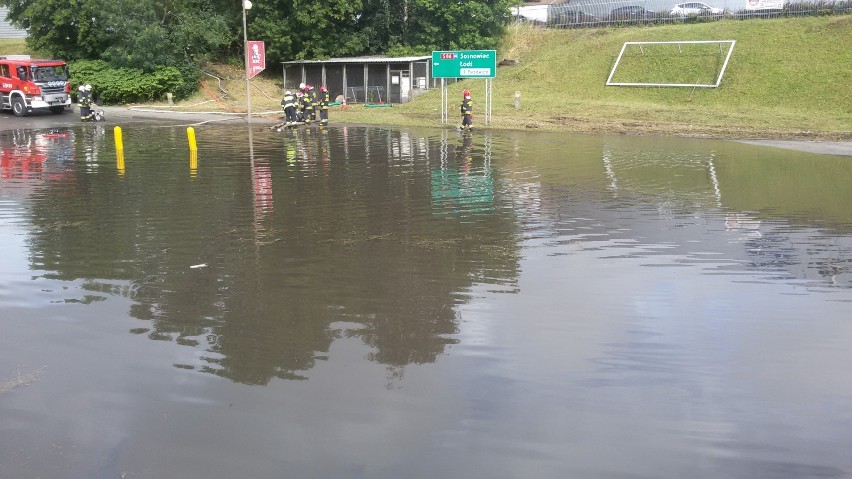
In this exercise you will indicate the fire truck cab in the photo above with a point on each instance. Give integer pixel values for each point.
(28, 84)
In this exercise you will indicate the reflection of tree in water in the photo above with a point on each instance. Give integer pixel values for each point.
(351, 240)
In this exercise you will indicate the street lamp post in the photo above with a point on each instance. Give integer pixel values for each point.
(246, 6)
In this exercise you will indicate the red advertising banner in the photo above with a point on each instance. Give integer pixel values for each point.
(256, 58)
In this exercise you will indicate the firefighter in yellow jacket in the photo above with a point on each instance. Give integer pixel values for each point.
(289, 104)
(322, 102)
(308, 99)
(467, 111)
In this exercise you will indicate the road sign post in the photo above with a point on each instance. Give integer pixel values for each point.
(465, 64)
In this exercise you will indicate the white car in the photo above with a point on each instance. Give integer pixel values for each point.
(694, 8)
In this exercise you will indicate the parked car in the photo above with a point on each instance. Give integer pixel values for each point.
(694, 8)
(572, 18)
(584, 18)
(630, 12)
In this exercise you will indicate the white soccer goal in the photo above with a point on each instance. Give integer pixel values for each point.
(680, 50)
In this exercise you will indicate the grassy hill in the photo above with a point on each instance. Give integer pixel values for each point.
(788, 78)
(13, 46)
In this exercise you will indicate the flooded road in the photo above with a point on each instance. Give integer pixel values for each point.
(372, 302)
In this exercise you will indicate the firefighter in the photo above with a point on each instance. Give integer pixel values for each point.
(81, 93)
(315, 100)
(467, 111)
(310, 113)
(94, 113)
(97, 113)
(289, 104)
(300, 106)
(84, 100)
(323, 101)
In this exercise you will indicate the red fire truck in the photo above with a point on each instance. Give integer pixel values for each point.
(28, 84)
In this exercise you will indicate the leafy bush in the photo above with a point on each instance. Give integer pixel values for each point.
(125, 85)
(407, 50)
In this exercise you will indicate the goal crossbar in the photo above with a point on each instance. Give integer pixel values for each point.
(609, 81)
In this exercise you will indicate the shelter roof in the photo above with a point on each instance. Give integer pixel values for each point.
(367, 59)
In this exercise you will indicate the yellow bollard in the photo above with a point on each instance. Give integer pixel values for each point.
(119, 148)
(190, 135)
(193, 150)
(119, 142)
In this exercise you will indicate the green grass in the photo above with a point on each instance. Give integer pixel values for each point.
(13, 46)
(668, 63)
(787, 78)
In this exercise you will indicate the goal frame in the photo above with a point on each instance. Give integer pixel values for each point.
(609, 81)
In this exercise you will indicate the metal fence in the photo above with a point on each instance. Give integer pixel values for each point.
(596, 13)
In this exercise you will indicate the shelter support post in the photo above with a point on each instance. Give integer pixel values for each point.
(345, 83)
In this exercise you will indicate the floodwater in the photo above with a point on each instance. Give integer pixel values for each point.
(384, 303)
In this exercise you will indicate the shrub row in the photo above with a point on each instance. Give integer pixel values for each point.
(127, 85)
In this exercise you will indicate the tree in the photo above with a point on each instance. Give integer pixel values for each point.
(150, 33)
(459, 24)
(141, 34)
(296, 29)
(63, 28)
(425, 25)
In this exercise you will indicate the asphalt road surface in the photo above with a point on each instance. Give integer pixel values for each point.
(119, 116)
(126, 115)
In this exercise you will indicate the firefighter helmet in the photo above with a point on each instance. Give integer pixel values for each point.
(466, 93)
(301, 86)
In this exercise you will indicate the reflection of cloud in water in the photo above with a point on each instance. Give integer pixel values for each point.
(386, 230)
(556, 326)
(745, 223)
(276, 282)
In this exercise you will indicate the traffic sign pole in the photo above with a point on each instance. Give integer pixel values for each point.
(465, 64)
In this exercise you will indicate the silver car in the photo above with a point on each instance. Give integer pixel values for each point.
(694, 8)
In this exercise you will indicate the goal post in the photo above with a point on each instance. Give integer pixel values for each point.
(691, 45)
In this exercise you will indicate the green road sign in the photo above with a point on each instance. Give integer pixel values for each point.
(464, 64)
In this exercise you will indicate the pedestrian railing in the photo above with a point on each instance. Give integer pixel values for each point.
(585, 13)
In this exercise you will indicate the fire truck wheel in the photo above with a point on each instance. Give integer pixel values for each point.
(57, 109)
(19, 108)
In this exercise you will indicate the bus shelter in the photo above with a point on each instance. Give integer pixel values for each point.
(372, 79)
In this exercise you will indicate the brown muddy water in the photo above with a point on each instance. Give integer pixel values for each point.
(384, 303)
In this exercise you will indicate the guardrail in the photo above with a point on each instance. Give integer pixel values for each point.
(580, 14)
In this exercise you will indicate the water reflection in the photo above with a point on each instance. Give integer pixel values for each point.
(317, 238)
(543, 282)
(28, 156)
(462, 188)
(383, 228)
